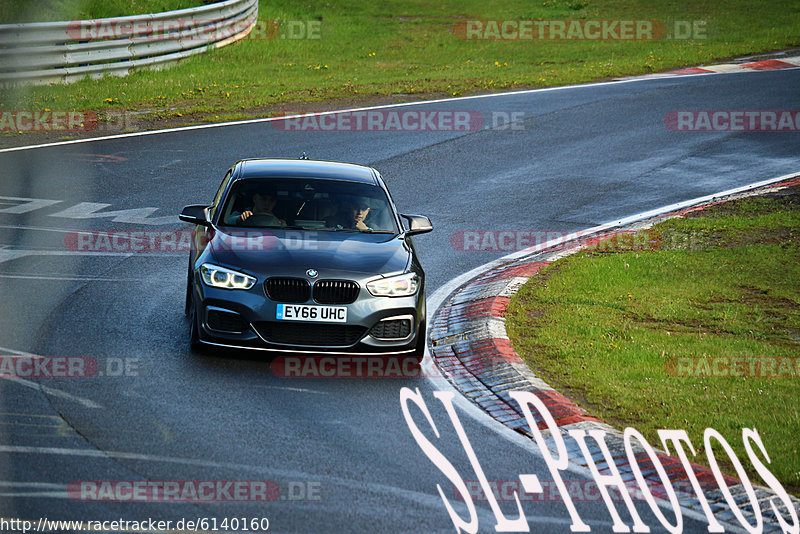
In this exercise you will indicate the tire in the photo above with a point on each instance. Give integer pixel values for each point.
(422, 342)
(188, 301)
(194, 335)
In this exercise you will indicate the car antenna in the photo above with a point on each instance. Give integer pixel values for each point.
(303, 156)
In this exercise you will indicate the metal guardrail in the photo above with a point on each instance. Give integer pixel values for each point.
(67, 51)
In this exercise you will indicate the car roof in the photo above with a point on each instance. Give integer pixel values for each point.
(305, 168)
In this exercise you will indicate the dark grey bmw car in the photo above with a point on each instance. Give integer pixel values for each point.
(305, 256)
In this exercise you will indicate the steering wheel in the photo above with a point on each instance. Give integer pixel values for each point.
(262, 219)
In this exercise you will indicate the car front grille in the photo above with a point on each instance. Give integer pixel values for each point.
(392, 329)
(310, 335)
(335, 291)
(287, 289)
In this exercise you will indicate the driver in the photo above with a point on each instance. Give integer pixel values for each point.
(263, 204)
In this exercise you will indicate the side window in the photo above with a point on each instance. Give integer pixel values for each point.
(220, 191)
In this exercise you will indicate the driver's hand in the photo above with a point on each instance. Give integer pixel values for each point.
(245, 214)
(361, 226)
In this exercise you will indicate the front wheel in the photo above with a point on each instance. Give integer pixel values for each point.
(422, 341)
(188, 300)
(194, 335)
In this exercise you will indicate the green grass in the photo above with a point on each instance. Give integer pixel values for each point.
(403, 49)
(606, 326)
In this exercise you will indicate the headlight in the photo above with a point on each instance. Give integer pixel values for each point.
(395, 286)
(216, 276)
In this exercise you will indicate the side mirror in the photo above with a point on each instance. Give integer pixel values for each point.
(417, 224)
(195, 214)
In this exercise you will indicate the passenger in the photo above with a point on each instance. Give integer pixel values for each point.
(354, 215)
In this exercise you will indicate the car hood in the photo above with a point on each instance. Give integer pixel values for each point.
(291, 252)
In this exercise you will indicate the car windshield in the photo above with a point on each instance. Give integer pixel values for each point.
(308, 204)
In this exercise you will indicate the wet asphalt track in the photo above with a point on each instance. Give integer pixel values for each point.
(581, 156)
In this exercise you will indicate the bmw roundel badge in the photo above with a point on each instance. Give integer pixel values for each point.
(312, 273)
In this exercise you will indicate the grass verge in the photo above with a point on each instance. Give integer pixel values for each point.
(406, 50)
(610, 327)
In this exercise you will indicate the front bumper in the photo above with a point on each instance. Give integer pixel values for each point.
(247, 319)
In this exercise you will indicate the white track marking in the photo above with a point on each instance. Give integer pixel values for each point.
(28, 204)
(351, 110)
(34, 485)
(93, 210)
(46, 228)
(8, 254)
(44, 389)
(51, 391)
(299, 390)
(66, 278)
(425, 499)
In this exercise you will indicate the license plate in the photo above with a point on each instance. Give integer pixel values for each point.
(304, 312)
